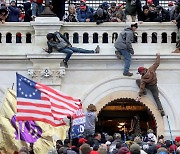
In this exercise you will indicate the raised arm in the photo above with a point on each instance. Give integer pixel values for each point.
(156, 63)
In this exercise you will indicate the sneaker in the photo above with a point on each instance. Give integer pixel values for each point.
(33, 17)
(162, 112)
(176, 51)
(97, 50)
(118, 54)
(128, 74)
(65, 63)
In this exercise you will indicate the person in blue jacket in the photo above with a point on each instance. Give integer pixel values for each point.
(13, 12)
(85, 13)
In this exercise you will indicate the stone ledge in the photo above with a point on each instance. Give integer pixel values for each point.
(82, 56)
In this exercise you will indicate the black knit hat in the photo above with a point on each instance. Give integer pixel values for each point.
(145, 7)
(134, 25)
(50, 35)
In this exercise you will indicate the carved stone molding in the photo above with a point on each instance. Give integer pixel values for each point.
(46, 75)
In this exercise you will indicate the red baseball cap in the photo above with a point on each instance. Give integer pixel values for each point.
(94, 152)
(140, 69)
(149, 1)
(177, 139)
(82, 140)
(83, 5)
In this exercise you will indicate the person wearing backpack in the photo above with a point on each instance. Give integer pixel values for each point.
(61, 44)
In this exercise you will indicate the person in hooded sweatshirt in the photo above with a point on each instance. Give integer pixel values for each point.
(91, 119)
(13, 12)
(124, 47)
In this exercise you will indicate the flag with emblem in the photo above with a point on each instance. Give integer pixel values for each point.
(39, 102)
(42, 135)
(78, 123)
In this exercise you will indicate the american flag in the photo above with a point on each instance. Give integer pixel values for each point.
(39, 102)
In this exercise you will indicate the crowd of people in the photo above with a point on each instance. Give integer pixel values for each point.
(103, 143)
(107, 144)
(93, 142)
(129, 11)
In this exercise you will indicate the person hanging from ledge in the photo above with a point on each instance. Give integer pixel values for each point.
(61, 44)
(149, 80)
(124, 47)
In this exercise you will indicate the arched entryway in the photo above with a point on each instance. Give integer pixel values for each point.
(111, 89)
(118, 115)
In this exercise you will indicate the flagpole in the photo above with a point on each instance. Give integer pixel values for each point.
(171, 134)
(19, 138)
(12, 86)
(70, 126)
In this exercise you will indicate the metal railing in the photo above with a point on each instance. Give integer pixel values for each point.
(96, 3)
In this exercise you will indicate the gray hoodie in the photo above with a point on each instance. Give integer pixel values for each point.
(91, 119)
(124, 41)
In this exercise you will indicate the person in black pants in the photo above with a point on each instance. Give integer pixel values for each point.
(59, 8)
(149, 80)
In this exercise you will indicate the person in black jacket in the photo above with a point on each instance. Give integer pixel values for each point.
(146, 15)
(162, 15)
(59, 8)
(61, 44)
(28, 12)
(101, 16)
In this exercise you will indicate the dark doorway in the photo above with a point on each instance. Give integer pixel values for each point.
(121, 111)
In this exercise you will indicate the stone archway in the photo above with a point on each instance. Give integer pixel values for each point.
(116, 88)
(117, 115)
(133, 95)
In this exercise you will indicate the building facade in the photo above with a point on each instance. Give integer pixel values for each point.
(97, 78)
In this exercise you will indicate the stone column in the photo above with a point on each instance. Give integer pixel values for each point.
(42, 26)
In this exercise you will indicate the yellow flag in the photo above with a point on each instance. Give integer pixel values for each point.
(42, 135)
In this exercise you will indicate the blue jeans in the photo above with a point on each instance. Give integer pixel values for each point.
(127, 60)
(70, 50)
(88, 132)
(40, 8)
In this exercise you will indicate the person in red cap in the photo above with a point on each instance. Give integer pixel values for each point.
(177, 140)
(149, 80)
(85, 13)
(82, 141)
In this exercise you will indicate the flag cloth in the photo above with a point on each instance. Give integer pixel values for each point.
(41, 103)
(42, 135)
(78, 123)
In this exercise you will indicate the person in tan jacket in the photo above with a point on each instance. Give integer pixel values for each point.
(149, 80)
